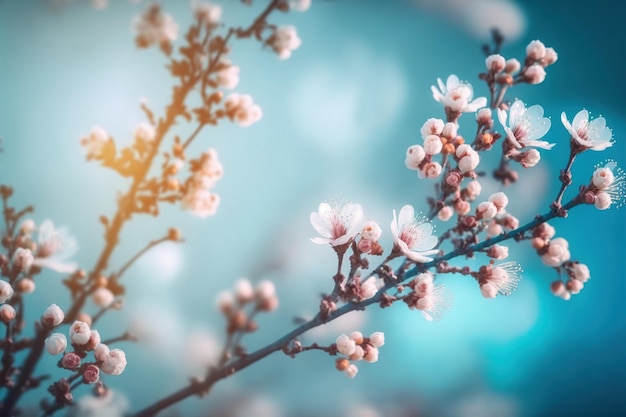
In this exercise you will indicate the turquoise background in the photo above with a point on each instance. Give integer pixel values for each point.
(337, 119)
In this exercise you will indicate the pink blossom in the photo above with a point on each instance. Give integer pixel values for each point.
(525, 125)
(337, 225)
(414, 156)
(457, 95)
(557, 252)
(432, 126)
(413, 236)
(588, 134)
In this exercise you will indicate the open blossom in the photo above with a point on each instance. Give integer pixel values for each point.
(94, 143)
(241, 109)
(284, 40)
(337, 225)
(154, 27)
(457, 95)
(430, 299)
(228, 77)
(501, 279)
(588, 134)
(525, 125)
(55, 246)
(432, 126)
(412, 236)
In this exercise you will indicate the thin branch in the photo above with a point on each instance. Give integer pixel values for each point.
(139, 255)
(237, 364)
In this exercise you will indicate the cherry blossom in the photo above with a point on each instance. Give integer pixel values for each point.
(337, 225)
(55, 246)
(588, 134)
(284, 40)
(525, 125)
(413, 236)
(457, 95)
(502, 278)
(154, 27)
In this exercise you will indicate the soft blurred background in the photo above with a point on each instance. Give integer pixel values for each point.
(337, 119)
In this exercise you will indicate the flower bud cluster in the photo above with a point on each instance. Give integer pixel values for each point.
(284, 40)
(578, 274)
(355, 347)
(197, 196)
(241, 109)
(83, 339)
(155, 27)
(607, 187)
(498, 279)
(370, 234)
(232, 304)
(427, 297)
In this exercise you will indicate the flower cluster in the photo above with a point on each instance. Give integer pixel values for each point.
(430, 299)
(196, 192)
(83, 339)
(284, 40)
(155, 27)
(355, 347)
(241, 109)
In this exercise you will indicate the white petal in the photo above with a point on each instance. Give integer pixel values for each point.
(437, 94)
(566, 123)
(56, 265)
(320, 240)
(582, 117)
(515, 113)
(46, 231)
(502, 117)
(441, 85)
(406, 216)
(320, 225)
(452, 82)
(476, 104)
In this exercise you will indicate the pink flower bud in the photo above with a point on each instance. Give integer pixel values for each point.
(27, 226)
(602, 201)
(70, 360)
(101, 352)
(580, 272)
(56, 343)
(430, 170)
(266, 296)
(559, 290)
(535, 50)
(432, 127)
(493, 229)
(486, 210)
(243, 291)
(102, 297)
(6, 291)
(449, 130)
(371, 231)
(530, 158)
(7, 313)
(499, 199)
(414, 156)
(358, 353)
(461, 207)
(371, 354)
(445, 213)
(22, 259)
(91, 374)
(52, 316)
(25, 286)
(489, 290)
(495, 63)
(80, 333)
(603, 178)
(498, 252)
(550, 57)
(365, 245)
(574, 286)
(535, 74)
(114, 363)
(453, 179)
(368, 288)
(94, 340)
(345, 345)
(351, 370)
(225, 302)
(473, 189)
(512, 65)
(432, 145)
(483, 117)
(377, 339)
